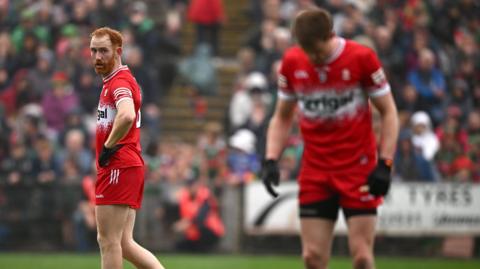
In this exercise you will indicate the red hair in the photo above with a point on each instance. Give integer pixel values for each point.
(114, 35)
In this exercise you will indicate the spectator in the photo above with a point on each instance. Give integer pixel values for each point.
(460, 99)
(199, 71)
(69, 197)
(58, 102)
(410, 164)
(45, 165)
(207, 15)
(430, 85)
(200, 225)
(241, 105)
(7, 54)
(213, 145)
(88, 91)
(423, 137)
(257, 123)
(74, 150)
(42, 70)
(242, 160)
(473, 129)
(17, 94)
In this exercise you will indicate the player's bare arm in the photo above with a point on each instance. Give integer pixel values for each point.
(378, 182)
(277, 135)
(279, 128)
(122, 123)
(389, 125)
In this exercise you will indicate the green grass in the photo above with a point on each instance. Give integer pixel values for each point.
(72, 261)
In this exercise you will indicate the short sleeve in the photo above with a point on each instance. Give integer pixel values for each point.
(121, 90)
(374, 78)
(285, 89)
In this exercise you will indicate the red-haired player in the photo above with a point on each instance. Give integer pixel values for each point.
(120, 176)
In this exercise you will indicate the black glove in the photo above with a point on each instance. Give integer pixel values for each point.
(106, 154)
(270, 175)
(380, 178)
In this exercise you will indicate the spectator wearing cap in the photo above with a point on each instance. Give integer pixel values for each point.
(255, 89)
(242, 160)
(423, 137)
(58, 102)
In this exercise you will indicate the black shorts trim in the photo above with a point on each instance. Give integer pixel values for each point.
(352, 212)
(328, 209)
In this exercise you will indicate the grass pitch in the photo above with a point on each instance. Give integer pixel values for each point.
(79, 261)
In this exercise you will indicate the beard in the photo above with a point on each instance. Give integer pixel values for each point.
(105, 68)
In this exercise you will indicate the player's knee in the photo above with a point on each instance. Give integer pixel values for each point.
(106, 243)
(363, 260)
(127, 249)
(314, 258)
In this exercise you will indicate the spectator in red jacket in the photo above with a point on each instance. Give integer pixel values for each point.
(207, 15)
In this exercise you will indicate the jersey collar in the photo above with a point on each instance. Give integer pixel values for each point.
(338, 50)
(111, 75)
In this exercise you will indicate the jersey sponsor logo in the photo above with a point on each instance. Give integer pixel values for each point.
(105, 116)
(102, 114)
(328, 103)
(378, 77)
(99, 196)
(331, 103)
(301, 74)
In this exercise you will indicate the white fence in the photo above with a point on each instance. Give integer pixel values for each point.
(409, 209)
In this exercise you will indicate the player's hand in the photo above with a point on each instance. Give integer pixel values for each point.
(106, 154)
(270, 175)
(380, 178)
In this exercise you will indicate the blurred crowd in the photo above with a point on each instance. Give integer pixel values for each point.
(48, 99)
(430, 52)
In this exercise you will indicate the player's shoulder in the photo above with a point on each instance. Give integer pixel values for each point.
(294, 52)
(358, 49)
(124, 78)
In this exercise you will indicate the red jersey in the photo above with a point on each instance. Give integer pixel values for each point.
(117, 87)
(335, 114)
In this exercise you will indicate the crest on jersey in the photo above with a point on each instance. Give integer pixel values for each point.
(345, 74)
(322, 76)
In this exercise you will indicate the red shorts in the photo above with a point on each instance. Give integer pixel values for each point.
(346, 186)
(123, 186)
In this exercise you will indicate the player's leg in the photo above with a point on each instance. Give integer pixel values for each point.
(110, 222)
(360, 210)
(361, 237)
(132, 251)
(317, 221)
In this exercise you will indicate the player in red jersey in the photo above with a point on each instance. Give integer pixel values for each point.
(119, 186)
(333, 81)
